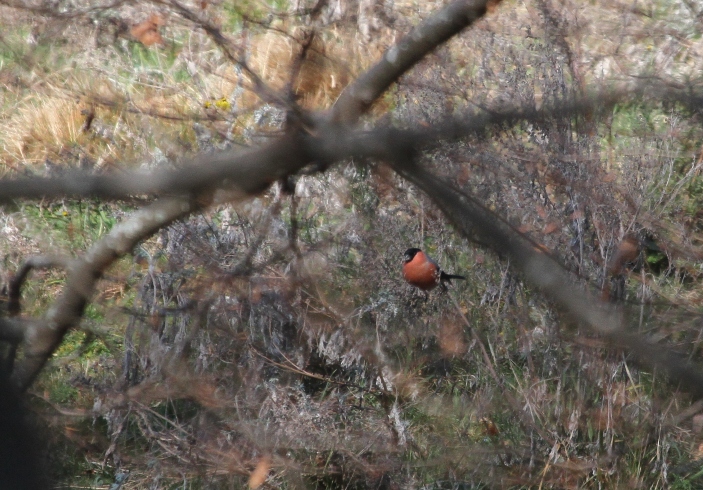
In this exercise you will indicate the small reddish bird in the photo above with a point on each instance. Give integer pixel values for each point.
(423, 272)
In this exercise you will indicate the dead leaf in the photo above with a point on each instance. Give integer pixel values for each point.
(550, 228)
(463, 176)
(492, 5)
(609, 177)
(451, 339)
(627, 252)
(260, 473)
(147, 32)
(698, 453)
(698, 423)
(490, 427)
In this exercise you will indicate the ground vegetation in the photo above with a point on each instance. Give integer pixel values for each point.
(205, 209)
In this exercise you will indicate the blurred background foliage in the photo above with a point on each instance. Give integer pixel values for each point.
(275, 339)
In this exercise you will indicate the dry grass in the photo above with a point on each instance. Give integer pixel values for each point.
(39, 128)
(170, 85)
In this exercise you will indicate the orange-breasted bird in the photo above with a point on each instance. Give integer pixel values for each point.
(423, 272)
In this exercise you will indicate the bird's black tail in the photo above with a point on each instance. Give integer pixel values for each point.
(448, 277)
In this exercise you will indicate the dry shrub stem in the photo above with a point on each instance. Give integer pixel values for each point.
(51, 11)
(260, 87)
(515, 405)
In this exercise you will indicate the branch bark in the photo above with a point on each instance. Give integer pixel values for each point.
(424, 38)
(15, 287)
(42, 339)
(242, 172)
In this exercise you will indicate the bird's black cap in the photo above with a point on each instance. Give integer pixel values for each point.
(410, 254)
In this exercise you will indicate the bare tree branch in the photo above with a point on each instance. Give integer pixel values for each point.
(12, 330)
(424, 38)
(249, 172)
(15, 286)
(42, 339)
(20, 466)
(480, 224)
(244, 173)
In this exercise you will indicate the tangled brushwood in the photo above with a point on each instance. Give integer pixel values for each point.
(206, 207)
